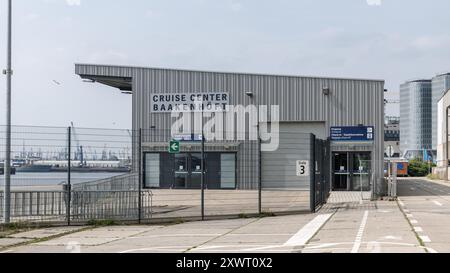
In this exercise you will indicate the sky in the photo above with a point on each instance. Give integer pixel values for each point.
(394, 40)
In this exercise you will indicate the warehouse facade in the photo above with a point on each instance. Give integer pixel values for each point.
(347, 114)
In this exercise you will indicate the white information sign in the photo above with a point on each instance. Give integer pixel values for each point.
(303, 168)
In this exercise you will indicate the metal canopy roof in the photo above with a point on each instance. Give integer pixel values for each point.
(107, 70)
(122, 83)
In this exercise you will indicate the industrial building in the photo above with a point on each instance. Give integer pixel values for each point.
(346, 114)
(392, 137)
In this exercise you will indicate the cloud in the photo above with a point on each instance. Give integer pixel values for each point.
(374, 2)
(431, 42)
(73, 2)
(236, 6)
(109, 57)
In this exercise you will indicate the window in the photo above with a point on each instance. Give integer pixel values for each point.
(152, 171)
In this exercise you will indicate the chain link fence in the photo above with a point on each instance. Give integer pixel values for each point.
(76, 175)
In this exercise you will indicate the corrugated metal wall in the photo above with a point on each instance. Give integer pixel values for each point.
(279, 167)
(351, 102)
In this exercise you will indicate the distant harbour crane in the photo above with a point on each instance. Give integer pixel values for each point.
(79, 155)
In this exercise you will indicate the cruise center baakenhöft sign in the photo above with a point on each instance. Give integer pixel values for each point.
(352, 133)
(189, 102)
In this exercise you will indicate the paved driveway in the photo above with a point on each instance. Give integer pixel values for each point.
(427, 207)
(339, 227)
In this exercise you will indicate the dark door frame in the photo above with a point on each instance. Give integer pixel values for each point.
(350, 171)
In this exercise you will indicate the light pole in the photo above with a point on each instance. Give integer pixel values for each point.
(7, 165)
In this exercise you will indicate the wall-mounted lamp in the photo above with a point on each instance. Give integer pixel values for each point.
(326, 91)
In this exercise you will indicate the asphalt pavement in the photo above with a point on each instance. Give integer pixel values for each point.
(416, 223)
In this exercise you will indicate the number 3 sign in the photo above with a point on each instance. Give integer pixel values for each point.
(303, 168)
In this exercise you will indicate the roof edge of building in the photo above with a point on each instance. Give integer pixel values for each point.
(227, 72)
(445, 94)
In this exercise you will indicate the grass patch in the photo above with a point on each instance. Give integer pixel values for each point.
(13, 228)
(267, 214)
(243, 216)
(421, 243)
(433, 177)
(178, 221)
(101, 223)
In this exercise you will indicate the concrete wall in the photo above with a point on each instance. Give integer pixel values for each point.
(442, 140)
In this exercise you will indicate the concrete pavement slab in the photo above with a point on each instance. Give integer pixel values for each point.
(6, 242)
(45, 233)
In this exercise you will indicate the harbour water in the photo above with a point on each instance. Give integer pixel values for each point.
(54, 178)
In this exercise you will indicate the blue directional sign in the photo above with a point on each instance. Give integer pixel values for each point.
(187, 137)
(352, 133)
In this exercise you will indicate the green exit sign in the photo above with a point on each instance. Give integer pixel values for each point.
(174, 147)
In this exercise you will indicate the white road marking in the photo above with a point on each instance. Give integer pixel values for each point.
(431, 250)
(409, 216)
(155, 248)
(360, 234)
(414, 222)
(401, 203)
(413, 189)
(393, 238)
(425, 239)
(317, 246)
(406, 211)
(307, 232)
(418, 229)
(210, 247)
(261, 248)
(175, 235)
(437, 203)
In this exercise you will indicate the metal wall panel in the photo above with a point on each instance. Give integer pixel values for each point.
(279, 168)
(350, 102)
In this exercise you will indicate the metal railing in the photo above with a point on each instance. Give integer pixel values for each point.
(119, 183)
(84, 205)
(36, 203)
(119, 205)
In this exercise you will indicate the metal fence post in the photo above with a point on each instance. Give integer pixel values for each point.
(203, 169)
(69, 186)
(140, 184)
(313, 174)
(259, 177)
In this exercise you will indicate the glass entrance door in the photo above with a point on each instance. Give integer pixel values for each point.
(184, 170)
(181, 171)
(196, 171)
(362, 171)
(352, 171)
(341, 172)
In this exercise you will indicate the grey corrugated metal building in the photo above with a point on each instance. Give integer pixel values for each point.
(307, 106)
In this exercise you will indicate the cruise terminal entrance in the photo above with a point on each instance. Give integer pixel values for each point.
(352, 170)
